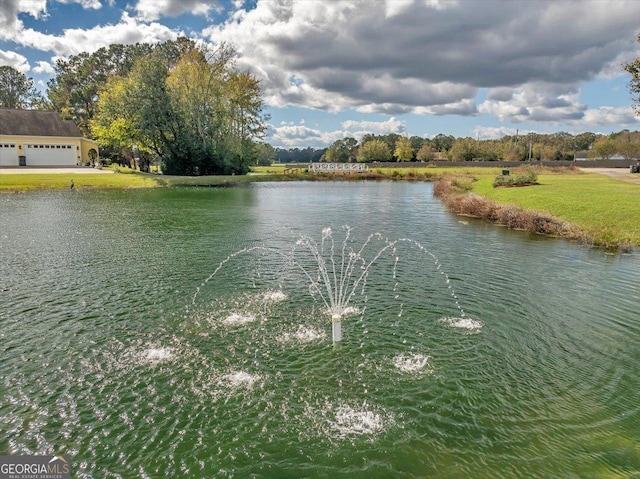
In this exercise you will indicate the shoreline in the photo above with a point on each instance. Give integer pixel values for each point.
(454, 186)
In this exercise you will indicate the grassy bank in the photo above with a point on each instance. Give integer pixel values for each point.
(53, 181)
(587, 207)
(125, 179)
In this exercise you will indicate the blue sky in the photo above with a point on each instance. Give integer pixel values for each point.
(335, 68)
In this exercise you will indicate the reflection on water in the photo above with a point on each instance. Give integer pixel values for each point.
(106, 358)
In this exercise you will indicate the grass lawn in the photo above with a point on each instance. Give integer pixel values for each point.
(50, 181)
(604, 207)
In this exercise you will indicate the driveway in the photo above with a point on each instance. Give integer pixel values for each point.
(82, 170)
(617, 173)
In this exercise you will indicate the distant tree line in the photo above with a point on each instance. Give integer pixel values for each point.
(532, 146)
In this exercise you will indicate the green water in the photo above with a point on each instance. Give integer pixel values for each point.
(472, 351)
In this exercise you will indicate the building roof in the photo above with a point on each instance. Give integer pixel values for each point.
(36, 123)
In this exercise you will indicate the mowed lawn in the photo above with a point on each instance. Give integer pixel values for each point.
(50, 181)
(602, 206)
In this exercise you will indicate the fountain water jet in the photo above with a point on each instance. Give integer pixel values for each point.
(338, 276)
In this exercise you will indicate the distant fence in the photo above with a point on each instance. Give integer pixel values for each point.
(338, 167)
(360, 167)
(509, 164)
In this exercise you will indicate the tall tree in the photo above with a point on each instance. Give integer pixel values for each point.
(603, 148)
(374, 150)
(633, 68)
(199, 117)
(16, 90)
(426, 152)
(73, 92)
(403, 151)
(464, 149)
(341, 151)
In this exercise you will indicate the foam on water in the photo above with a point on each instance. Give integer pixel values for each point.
(304, 334)
(240, 379)
(349, 421)
(274, 296)
(472, 326)
(413, 363)
(351, 311)
(158, 355)
(238, 319)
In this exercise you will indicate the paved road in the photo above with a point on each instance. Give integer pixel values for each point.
(82, 170)
(617, 173)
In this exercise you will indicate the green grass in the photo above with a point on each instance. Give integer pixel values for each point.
(50, 181)
(125, 179)
(606, 208)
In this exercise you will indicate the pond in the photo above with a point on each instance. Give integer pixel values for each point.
(184, 333)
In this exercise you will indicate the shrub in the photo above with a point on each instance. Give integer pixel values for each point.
(526, 178)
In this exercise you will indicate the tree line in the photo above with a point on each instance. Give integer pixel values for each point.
(532, 146)
(184, 105)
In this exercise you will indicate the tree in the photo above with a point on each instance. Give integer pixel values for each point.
(17, 91)
(443, 142)
(426, 152)
(221, 107)
(403, 151)
(583, 141)
(374, 150)
(73, 92)
(464, 149)
(265, 153)
(634, 84)
(199, 117)
(603, 148)
(627, 147)
(416, 144)
(341, 151)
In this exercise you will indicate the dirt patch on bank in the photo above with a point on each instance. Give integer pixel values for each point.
(617, 173)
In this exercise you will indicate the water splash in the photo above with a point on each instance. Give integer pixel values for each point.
(238, 319)
(240, 379)
(413, 363)
(471, 326)
(303, 334)
(274, 296)
(158, 355)
(336, 271)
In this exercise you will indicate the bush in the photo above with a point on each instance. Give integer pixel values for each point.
(526, 178)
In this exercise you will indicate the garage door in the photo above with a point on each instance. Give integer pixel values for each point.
(42, 154)
(8, 154)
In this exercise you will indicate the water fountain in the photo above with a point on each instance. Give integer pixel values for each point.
(337, 271)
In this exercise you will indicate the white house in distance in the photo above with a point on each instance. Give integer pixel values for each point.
(43, 139)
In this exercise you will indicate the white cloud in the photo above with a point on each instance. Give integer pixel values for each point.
(291, 135)
(151, 10)
(44, 67)
(538, 101)
(494, 133)
(606, 115)
(400, 56)
(9, 10)
(88, 4)
(14, 60)
(77, 40)
(392, 125)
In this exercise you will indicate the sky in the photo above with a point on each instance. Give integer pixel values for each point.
(336, 68)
